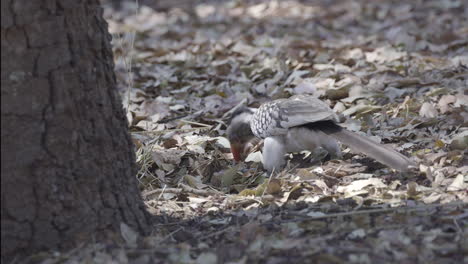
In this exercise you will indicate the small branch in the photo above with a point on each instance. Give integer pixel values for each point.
(199, 192)
(170, 130)
(196, 123)
(241, 103)
(184, 187)
(216, 233)
(373, 211)
(160, 191)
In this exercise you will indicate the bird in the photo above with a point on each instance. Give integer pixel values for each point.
(301, 122)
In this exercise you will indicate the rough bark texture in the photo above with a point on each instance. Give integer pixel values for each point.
(67, 171)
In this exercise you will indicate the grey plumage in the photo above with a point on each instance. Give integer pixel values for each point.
(305, 123)
(367, 146)
(276, 117)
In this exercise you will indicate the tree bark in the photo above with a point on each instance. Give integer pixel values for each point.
(68, 166)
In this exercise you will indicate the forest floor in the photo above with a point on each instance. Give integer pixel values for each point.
(397, 69)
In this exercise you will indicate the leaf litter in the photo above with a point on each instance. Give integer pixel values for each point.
(398, 71)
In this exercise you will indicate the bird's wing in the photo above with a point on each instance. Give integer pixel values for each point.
(276, 117)
(302, 109)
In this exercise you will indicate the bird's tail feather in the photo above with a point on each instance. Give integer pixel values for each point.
(364, 145)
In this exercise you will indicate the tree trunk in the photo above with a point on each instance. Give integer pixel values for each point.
(68, 167)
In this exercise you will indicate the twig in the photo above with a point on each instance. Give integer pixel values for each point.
(338, 169)
(216, 233)
(191, 116)
(196, 123)
(268, 183)
(199, 192)
(457, 225)
(172, 233)
(179, 190)
(248, 200)
(169, 130)
(373, 211)
(234, 108)
(161, 191)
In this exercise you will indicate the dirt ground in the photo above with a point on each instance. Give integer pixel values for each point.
(398, 70)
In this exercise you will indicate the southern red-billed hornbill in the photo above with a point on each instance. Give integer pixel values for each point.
(301, 123)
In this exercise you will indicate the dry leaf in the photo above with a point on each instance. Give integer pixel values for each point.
(358, 186)
(428, 110)
(459, 183)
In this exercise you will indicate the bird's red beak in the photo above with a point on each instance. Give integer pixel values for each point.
(236, 150)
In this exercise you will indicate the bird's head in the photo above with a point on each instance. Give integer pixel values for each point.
(239, 132)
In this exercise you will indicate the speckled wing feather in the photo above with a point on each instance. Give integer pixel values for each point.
(276, 117)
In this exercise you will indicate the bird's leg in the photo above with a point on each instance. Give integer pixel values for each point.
(333, 149)
(303, 138)
(273, 154)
